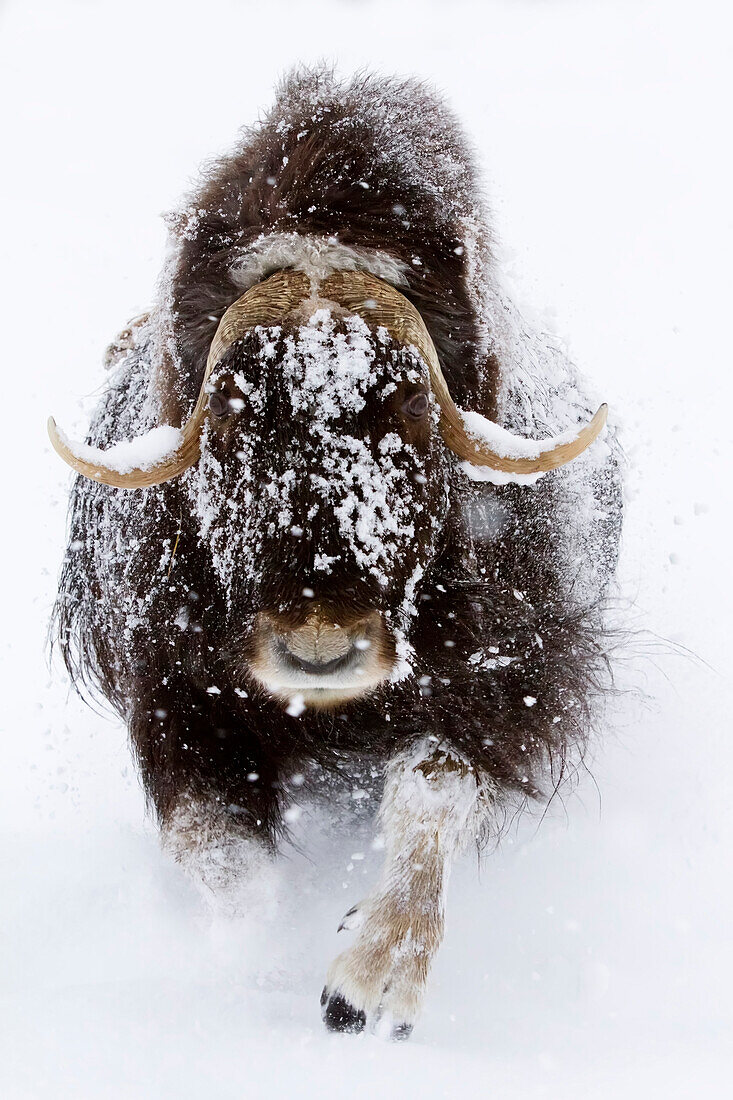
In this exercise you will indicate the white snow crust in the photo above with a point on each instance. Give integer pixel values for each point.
(141, 453)
(328, 374)
(506, 444)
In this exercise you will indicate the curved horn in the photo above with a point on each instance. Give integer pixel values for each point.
(487, 444)
(171, 451)
(379, 304)
(121, 465)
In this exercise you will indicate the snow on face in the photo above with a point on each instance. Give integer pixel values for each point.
(313, 476)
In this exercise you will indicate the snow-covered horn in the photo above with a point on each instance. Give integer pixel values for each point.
(471, 436)
(165, 452)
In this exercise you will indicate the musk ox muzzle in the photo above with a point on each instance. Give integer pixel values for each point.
(325, 658)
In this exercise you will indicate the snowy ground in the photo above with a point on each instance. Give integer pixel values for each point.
(590, 957)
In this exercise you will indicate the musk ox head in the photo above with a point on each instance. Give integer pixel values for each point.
(321, 493)
(320, 452)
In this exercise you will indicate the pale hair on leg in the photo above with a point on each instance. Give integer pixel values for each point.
(434, 804)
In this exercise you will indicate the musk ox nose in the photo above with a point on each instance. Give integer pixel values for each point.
(325, 658)
(319, 647)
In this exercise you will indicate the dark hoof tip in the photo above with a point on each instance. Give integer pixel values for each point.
(401, 1032)
(344, 919)
(340, 1015)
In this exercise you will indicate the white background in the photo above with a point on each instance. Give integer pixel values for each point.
(590, 957)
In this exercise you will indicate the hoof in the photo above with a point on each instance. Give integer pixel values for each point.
(339, 1015)
(354, 918)
(401, 1032)
(385, 1027)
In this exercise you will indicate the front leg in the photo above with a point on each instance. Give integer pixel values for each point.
(434, 803)
(230, 862)
(215, 790)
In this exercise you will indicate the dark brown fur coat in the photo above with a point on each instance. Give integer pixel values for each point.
(518, 574)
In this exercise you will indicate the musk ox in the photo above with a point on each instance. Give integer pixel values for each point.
(367, 551)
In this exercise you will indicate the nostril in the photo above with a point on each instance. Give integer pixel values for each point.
(315, 664)
(328, 654)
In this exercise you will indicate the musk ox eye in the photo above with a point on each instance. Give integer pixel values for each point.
(218, 403)
(416, 406)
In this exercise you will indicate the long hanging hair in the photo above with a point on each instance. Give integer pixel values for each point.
(508, 632)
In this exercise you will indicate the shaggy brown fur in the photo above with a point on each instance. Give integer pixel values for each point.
(382, 165)
(329, 160)
(302, 169)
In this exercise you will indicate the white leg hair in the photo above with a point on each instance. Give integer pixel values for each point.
(434, 803)
(231, 867)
